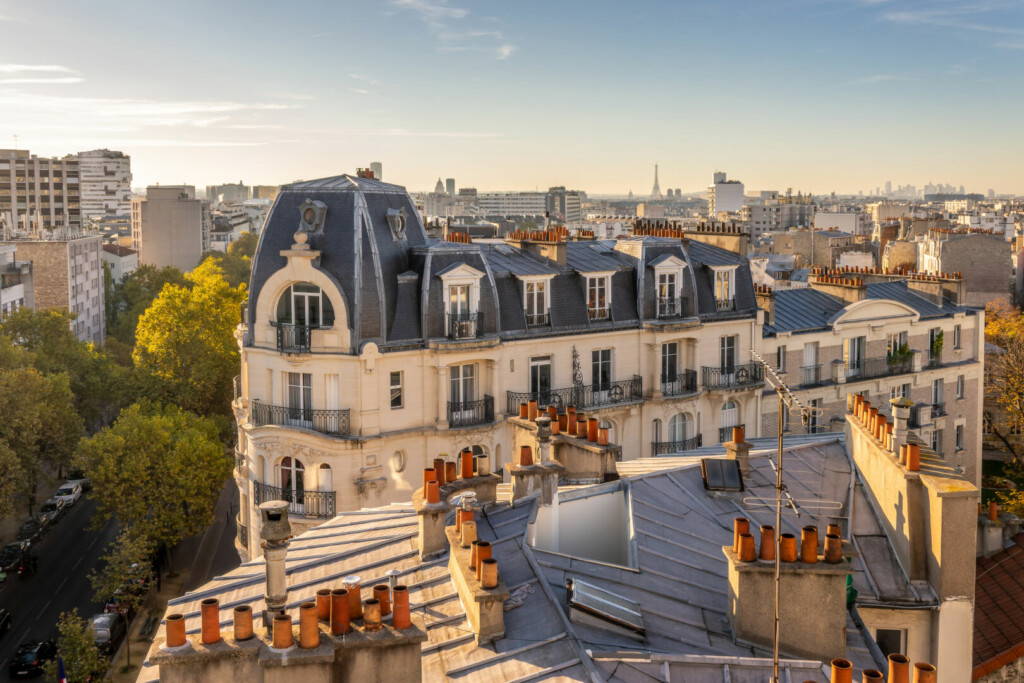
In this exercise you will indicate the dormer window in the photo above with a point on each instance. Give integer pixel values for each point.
(668, 272)
(725, 288)
(462, 301)
(598, 297)
(536, 302)
(301, 309)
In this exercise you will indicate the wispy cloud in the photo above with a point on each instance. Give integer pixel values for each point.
(963, 16)
(446, 23)
(364, 78)
(883, 78)
(34, 68)
(1010, 45)
(66, 80)
(359, 91)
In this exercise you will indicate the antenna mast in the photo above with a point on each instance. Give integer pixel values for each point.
(787, 401)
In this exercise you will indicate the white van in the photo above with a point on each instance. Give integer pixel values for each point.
(69, 492)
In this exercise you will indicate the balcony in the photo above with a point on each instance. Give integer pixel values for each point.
(810, 376)
(933, 361)
(537, 319)
(685, 382)
(599, 313)
(319, 504)
(725, 305)
(938, 410)
(736, 377)
(463, 325)
(293, 338)
(671, 447)
(469, 413)
(725, 433)
(584, 396)
(334, 422)
(870, 368)
(671, 306)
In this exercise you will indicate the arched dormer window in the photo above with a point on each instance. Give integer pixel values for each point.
(305, 305)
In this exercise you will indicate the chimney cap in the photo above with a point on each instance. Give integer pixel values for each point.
(274, 518)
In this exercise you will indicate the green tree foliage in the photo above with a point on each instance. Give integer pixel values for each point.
(10, 481)
(186, 340)
(237, 261)
(82, 659)
(127, 571)
(158, 470)
(128, 300)
(97, 383)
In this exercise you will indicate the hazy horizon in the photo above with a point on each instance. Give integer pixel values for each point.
(814, 95)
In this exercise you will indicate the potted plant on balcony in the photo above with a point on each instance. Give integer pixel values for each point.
(935, 350)
(900, 355)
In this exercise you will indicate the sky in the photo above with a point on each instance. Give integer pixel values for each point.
(816, 95)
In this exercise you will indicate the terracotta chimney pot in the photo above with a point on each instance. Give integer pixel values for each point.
(899, 668)
(924, 673)
(439, 471)
(592, 428)
(466, 458)
(489, 573)
(833, 528)
(993, 511)
(914, 457)
(283, 637)
(309, 629)
(556, 428)
(747, 552)
(872, 676)
(474, 555)
(903, 454)
(243, 622)
(483, 465)
(525, 456)
(323, 604)
(401, 617)
(833, 549)
(468, 533)
(484, 551)
(524, 411)
(354, 587)
(531, 410)
(209, 610)
(429, 475)
(809, 544)
(767, 543)
(602, 436)
(739, 434)
(433, 493)
(581, 426)
(842, 671)
(449, 471)
(462, 516)
(174, 630)
(382, 594)
(371, 615)
(740, 525)
(340, 616)
(553, 412)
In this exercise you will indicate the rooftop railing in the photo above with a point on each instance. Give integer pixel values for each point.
(671, 306)
(293, 338)
(870, 368)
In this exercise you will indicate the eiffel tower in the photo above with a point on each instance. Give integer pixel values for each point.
(656, 191)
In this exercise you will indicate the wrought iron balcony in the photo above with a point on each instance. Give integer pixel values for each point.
(810, 376)
(584, 396)
(734, 377)
(671, 306)
(725, 304)
(598, 313)
(463, 325)
(725, 433)
(467, 413)
(685, 382)
(293, 338)
(324, 421)
(320, 504)
(870, 368)
(670, 447)
(537, 319)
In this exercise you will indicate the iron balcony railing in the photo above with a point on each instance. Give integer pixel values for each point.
(598, 312)
(466, 413)
(293, 338)
(725, 433)
(733, 377)
(670, 447)
(463, 325)
(810, 375)
(725, 304)
(869, 368)
(671, 306)
(938, 410)
(536, 319)
(685, 382)
(324, 421)
(320, 504)
(584, 396)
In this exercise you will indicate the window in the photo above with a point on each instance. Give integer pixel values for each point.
(458, 301)
(959, 437)
(396, 389)
(899, 391)
(300, 396)
(601, 369)
(937, 392)
(895, 342)
(536, 303)
(727, 354)
(680, 427)
(730, 417)
(780, 359)
(305, 304)
(463, 384)
(721, 475)
(540, 379)
(853, 354)
(959, 386)
(814, 415)
(936, 441)
(668, 303)
(724, 291)
(656, 430)
(291, 476)
(956, 336)
(597, 298)
(891, 641)
(669, 361)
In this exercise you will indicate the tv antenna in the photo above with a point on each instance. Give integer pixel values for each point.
(787, 401)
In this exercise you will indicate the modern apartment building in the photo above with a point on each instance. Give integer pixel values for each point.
(15, 282)
(106, 183)
(170, 227)
(883, 337)
(512, 203)
(67, 274)
(565, 205)
(228, 193)
(37, 193)
(724, 195)
(773, 212)
(368, 348)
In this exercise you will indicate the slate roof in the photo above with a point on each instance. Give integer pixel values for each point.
(359, 252)
(999, 607)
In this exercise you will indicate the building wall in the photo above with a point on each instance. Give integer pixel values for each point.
(39, 192)
(106, 182)
(170, 227)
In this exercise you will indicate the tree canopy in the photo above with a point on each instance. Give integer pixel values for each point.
(236, 262)
(158, 469)
(83, 661)
(128, 300)
(186, 339)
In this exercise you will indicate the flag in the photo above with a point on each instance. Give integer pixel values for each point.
(62, 677)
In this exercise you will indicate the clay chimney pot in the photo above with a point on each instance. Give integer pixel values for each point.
(524, 411)
(371, 615)
(914, 457)
(353, 585)
(429, 475)
(484, 551)
(323, 604)
(401, 617)
(924, 673)
(872, 676)
(747, 552)
(309, 629)
(740, 525)
(382, 594)
(243, 622)
(209, 610)
(899, 668)
(489, 573)
(525, 456)
(433, 493)
(993, 511)
(283, 637)
(439, 471)
(466, 458)
(592, 428)
(449, 470)
(833, 549)
(467, 533)
(767, 543)
(340, 617)
(174, 630)
(809, 544)
(842, 671)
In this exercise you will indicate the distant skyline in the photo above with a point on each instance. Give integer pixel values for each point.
(817, 95)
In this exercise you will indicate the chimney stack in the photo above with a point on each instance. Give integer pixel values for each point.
(275, 531)
(739, 449)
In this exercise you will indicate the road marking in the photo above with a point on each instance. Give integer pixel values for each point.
(76, 564)
(63, 582)
(40, 612)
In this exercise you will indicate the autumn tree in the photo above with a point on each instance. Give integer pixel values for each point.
(1004, 328)
(186, 339)
(83, 661)
(127, 300)
(158, 470)
(11, 481)
(126, 573)
(236, 262)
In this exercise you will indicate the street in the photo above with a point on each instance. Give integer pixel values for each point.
(67, 553)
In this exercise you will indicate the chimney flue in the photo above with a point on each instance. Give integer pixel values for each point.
(243, 622)
(401, 617)
(275, 532)
(353, 584)
(924, 673)
(309, 629)
(899, 669)
(339, 611)
(842, 671)
(382, 594)
(174, 630)
(283, 638)
(209, 610)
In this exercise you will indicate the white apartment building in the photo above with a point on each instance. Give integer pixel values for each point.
(370, 349)
(852, 222)
(724, 195)
(106, 183)
(512, 203)
(170, 227)
(773, 212)
(120, 261)
(15, 282)
(38, 193)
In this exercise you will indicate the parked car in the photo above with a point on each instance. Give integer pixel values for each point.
(30, 531)
(108, 629)
(30, 658)
(5, 621)
(10, 556)
(69, 492)
(51, 511)
(84, 481)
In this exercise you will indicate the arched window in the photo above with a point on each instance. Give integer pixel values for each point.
(656, 430)
(680, 427)
(729, 418)
(305, 304)
(291, 474)
(612, 430)
(326, 481)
